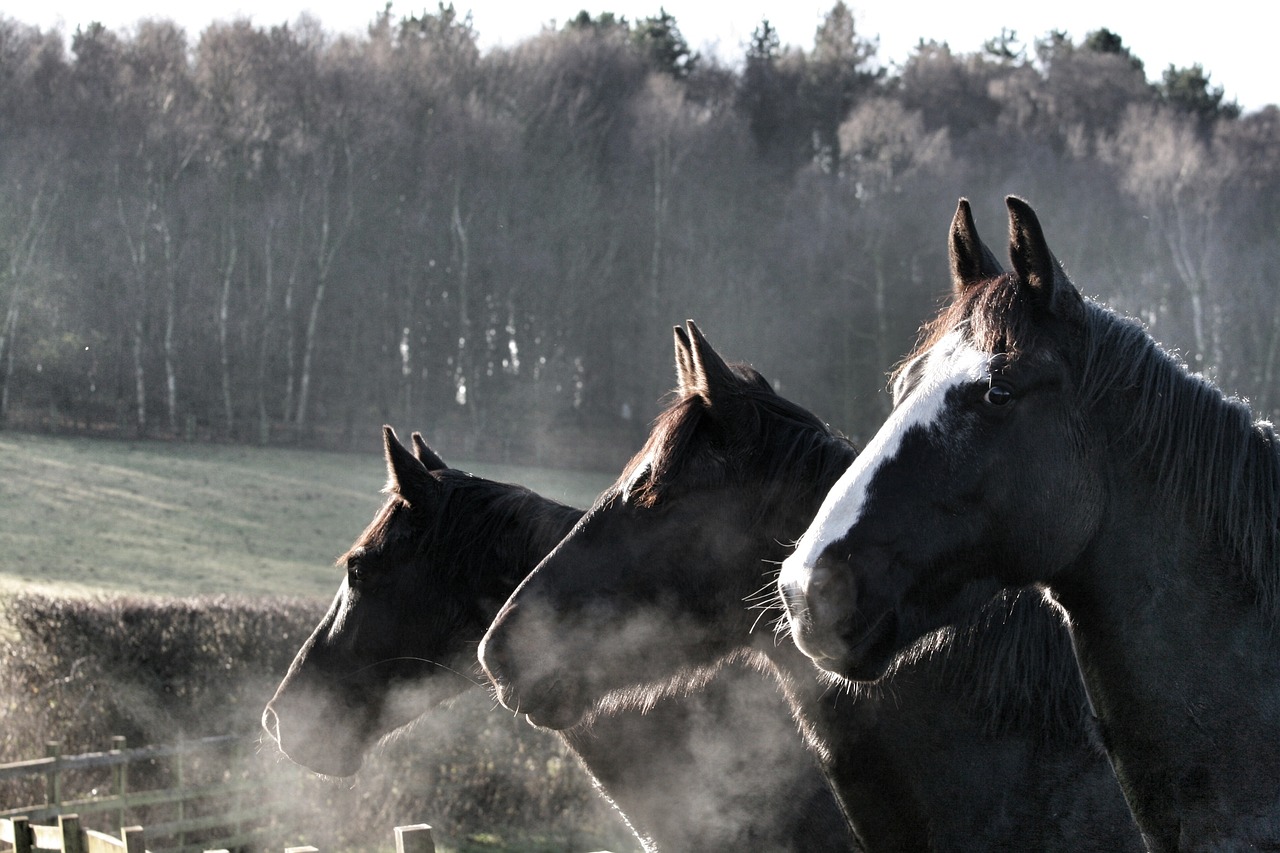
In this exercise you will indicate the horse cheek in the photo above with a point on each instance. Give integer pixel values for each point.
(1063, 490)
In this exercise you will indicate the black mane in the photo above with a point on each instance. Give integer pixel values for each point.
(799, 448)
(460, 529)
(1013, 660)
(1205, 448)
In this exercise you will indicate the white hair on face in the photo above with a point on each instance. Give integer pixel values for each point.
(951, 363)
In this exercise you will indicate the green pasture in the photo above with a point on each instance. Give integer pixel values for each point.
(94, 515)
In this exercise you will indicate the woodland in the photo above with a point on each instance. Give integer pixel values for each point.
(279, 235)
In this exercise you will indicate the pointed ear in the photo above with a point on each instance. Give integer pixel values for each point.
(428, 457)
(714, 376)
(685, 380)
(971, 261)
(1038, 271)
(406, 476)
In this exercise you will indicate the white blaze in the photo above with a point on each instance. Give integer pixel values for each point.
(951, 363)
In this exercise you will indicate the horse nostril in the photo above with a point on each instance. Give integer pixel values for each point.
(830, 592)
(493, 656)
(271, 723)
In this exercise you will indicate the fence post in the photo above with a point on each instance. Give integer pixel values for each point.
(120, 779)
(23, 842)
(134, 839)
(415, 839)
(52, 788)
(72, 838)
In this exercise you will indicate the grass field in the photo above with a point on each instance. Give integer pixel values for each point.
(93, 515)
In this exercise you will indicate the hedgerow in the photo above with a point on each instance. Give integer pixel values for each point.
(81, 670)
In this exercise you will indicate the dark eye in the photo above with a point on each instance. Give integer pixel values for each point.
(356, 574)
(998, 395)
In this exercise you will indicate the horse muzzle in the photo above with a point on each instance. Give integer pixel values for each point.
(831, 622)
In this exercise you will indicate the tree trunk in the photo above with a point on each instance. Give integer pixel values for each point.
(462, 253)
(268, 292)
(326, 251)
(139, 377)
(7, 336)
(224, 311)
(170, 319)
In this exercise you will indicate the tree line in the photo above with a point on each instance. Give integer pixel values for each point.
(275, 234)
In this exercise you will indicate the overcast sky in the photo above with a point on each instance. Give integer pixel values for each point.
(1235, 45)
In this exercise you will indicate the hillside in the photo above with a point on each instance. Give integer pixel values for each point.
(81, 514)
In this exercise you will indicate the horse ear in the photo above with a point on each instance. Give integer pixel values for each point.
(406, 476)
(711, 372)
(686, 382)
(1036, 267)
(971, 261)
(428, 457)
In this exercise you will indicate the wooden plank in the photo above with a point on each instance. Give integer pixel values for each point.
(415, 839)
(29, 767)
(46, 837)
(113, 758)
(100, 842)
(140, 798)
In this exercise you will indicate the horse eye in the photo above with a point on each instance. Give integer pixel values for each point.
(998, 395)
(355, 573)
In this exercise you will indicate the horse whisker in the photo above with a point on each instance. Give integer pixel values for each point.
(445, 667)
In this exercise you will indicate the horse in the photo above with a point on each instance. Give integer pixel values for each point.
(422, 583)
(979, 740)
(1040, 438)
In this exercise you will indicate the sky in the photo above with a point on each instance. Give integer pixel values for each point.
(1235, 45)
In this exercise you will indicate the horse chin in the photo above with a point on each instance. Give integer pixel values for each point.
(558, 719)
(346, 762)
(324, 756)
(862, 654)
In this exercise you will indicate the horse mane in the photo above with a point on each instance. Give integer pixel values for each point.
(801, 449)
(472, 525)
(1204, 447)
(1012, 662)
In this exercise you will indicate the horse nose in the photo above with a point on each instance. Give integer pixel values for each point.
(271, 724)
(495, 650)
(830, 592)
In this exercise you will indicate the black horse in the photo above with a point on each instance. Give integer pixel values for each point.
(422, 583)
(1038, 438)
(980, 740)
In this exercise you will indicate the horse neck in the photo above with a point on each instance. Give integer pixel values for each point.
(547, 528)
(1182, 666)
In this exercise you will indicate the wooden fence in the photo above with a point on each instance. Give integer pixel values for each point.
(204, 816)
(221, 813)
(69, 837)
